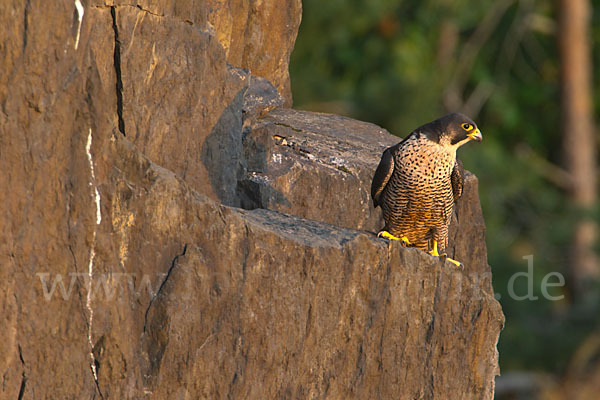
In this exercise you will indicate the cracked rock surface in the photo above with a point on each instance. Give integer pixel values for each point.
(216, 265)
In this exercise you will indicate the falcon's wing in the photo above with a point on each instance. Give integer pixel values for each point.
(457, 178)
(382, 174)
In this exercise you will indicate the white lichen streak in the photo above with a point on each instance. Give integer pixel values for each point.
(276, 158)
(80, 10)
(96, 197)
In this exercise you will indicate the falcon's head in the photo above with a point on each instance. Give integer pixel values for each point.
(452, 130)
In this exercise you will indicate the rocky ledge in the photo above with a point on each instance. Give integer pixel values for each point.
(171, 231)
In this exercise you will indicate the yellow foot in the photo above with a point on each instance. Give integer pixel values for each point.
(434, 252)
(387, 235)
(455, 262)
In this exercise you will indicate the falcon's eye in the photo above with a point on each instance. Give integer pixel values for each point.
(467, 127)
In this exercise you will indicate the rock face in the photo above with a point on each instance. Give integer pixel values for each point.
(316, 166)
(320, 167)
(130, 136)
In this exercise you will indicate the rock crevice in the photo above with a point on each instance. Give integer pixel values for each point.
(117, 64)
(23, 375)
(167, 275)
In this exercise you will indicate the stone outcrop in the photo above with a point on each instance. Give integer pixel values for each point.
(169, 229)
(316, 166)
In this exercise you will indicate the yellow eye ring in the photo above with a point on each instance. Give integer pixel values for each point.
(467, 127)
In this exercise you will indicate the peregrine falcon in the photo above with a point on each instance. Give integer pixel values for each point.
(418, 181)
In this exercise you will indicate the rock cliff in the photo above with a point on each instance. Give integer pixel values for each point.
(172, 231)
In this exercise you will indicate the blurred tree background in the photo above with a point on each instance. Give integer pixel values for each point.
(401, 63)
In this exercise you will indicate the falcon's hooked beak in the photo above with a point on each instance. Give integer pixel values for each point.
(475, 135)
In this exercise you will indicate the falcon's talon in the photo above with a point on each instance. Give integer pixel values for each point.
(387, 235)
(434, 252)
(455, 262)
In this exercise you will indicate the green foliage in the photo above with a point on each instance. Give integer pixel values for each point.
(402, 63)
